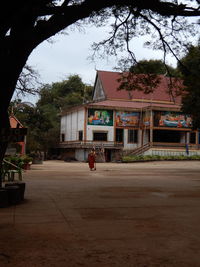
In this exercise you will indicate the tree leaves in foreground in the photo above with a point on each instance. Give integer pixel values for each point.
(145, 76)
(152, 66)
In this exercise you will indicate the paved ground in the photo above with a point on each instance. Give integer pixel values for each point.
(141, 214)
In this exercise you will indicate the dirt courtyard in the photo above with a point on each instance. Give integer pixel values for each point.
(138, 214)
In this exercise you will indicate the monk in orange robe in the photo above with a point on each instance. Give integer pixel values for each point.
(92, 160)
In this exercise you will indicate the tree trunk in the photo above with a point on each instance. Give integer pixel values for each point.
(12, 66)
(5, 126)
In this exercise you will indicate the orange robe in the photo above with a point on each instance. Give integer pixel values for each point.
(91, 160)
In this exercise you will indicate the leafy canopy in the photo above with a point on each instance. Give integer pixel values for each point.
(190, 73)
(43, 120)
(153, 67)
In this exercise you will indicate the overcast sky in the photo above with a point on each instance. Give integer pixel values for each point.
(68, 54)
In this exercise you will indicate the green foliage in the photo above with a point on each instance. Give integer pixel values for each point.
(190, 73)
(18, 161)
(132, 158)
(67, 93)
(42, 120)
(26, 159)
(153, 67)
(54, 98)
(144, 75)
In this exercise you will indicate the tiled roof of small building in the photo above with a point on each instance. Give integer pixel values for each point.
(110, 84)
(14, 122)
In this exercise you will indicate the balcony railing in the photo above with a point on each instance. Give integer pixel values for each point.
(175, 145)
(90, 144)
(119, 145)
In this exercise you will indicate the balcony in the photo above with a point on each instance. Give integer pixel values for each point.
(91, 144)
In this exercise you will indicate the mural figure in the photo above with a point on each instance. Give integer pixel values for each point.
(127, 118)
(100, 117)
(172, 119)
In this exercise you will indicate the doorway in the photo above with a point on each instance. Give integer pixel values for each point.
(107, 155)
(119, 135)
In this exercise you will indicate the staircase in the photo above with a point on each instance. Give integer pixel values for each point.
(140, 150)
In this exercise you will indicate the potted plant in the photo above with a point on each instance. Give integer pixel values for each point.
(26, 162)
(14, 159)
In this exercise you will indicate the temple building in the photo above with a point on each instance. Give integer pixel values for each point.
(120, 121)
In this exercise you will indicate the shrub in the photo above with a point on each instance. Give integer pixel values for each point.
(133, 158)
(18, 161)
(26, 159)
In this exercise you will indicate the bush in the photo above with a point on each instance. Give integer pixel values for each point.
(26, 159)
(16, 160)
(132, 158)
(19, 161)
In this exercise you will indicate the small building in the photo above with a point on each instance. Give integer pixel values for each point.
(120, 121)
(16, 124)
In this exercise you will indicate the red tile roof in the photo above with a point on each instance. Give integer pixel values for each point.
(110, 83)
(14, 122)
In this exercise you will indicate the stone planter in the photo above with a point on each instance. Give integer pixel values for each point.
(14, 196)
(21, 187)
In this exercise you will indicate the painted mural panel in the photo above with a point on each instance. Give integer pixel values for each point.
(100, 117)
(172, 119)
(126, 118)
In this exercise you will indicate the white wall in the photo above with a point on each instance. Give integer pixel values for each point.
(171, 152)
(108, 129)
(71, 123)
(81, 154)
(139, 138)
(62, 124)
(81, 120)
(146, 137)
(184, 137)
(130, 146)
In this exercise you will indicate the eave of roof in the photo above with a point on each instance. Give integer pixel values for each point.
(124, 105)
(131, 105)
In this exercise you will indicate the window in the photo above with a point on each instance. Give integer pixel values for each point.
(62, 137)
(119, 135)
(100, 136)
(132, 136)
(80, 135)
(192, 138)
(166, 136)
